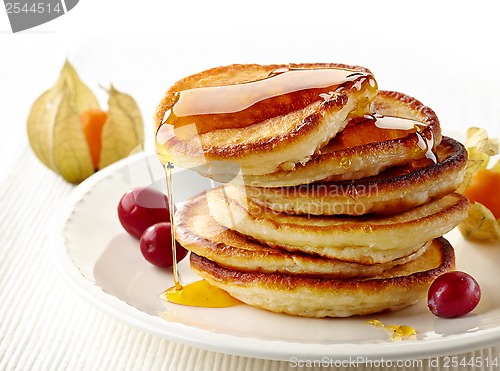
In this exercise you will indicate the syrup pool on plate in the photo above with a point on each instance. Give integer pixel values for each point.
(395, 332)
(200, 294)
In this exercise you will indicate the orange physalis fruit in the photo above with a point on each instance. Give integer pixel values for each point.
(92, 122)
(485, 189)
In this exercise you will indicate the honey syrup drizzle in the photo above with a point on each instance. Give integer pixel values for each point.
(378, 128)
(395, 333)
(244, 104)
(169, 170)
(199, 293)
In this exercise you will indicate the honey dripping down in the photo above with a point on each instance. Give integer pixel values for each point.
(199, 293)
(378, 128)
(169, 173)
(244, 104)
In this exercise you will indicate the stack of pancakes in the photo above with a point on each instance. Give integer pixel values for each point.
(332, 206)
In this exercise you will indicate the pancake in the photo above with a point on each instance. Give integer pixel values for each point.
(224, 121)
(364, 239)
(284, 137)
(395, 190)
(198, 232)
(363, 150)
(400, 287)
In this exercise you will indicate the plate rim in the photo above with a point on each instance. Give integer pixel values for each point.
(271, 349)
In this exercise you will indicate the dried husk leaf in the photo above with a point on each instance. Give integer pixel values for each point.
(81, 97)
(496, 168)
(41, 121)
(123, 131)
(478, 138)
(480, 224)
(479, 148)
(477, 160)
(71, 153)
(54, 128)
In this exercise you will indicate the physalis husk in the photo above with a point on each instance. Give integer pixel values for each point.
(55, 128)
(480, 224)
(124, 128)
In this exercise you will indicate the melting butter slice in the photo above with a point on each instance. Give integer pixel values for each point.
(200, 294)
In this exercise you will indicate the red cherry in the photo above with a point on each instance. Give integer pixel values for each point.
(140, 208)
(156, 245)
(453, 294)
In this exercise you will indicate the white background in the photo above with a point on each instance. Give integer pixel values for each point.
(445, 53)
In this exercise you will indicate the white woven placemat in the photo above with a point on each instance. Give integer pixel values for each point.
(45, 326)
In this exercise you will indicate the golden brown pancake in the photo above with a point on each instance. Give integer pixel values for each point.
(364, 239)
(363, 150)
(393, 191)
(228, 137)
(281, 236)
(400, 287)
(198, 232)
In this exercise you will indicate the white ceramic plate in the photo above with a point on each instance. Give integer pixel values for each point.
(104, 264)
